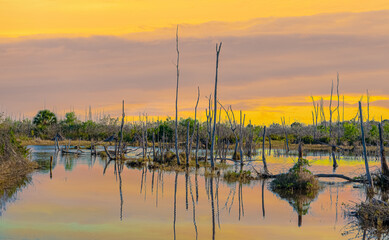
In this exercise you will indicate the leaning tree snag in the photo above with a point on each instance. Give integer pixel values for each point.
(121, 150)
(364, 147)
(384, 165)
(233, 127)
(178, 77)
(195, 120)
(218, 47)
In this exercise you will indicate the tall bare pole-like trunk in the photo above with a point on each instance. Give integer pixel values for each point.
(146, 142)
(263, 150)
(195, 120)
(218, 47)
(337, 92)
(154, 146)
(332, 89)
(269, 137)
(197, 145)
(187, 144)
(364, 147)
(315, 115)
(178, 77)
(241, 137)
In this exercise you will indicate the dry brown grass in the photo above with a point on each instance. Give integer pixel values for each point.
(370, 218)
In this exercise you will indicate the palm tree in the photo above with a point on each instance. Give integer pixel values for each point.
(44, 118)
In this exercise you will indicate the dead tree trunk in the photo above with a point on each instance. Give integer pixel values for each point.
(121, 152)
(241, 138)
(337, 92)
(286, 134)
(218, 47)
(178, 77)
(195, 120)
(364, 148)
(154, 146)
(263, 151)
(269, 137)
(233, 128)
(384, 165)
(197, 145)
(187, 145)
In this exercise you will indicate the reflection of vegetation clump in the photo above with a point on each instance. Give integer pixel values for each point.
(300, 201)
(298, 186)
(370, 217)
(243, 176)
(298, 179)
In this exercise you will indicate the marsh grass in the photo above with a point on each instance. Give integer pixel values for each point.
(14, 166)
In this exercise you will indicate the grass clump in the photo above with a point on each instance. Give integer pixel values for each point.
(298, 179)
(243, 176)
(138, 163)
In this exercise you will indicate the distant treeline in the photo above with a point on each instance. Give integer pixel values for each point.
(45, 126)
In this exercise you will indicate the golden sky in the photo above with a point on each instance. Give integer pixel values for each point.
(68, 54)
(117, 17)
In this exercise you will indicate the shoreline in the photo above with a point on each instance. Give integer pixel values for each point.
(276, 144)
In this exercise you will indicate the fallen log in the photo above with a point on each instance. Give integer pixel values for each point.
(338, 176)
(268, 175)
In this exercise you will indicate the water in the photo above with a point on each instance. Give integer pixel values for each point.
(81, 202)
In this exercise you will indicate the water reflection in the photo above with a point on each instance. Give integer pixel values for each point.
(90, 197)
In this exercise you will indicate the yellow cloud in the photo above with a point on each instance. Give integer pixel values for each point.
(100, 17)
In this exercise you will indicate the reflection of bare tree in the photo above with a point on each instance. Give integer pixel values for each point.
(213, 208)
(186, 188)
(263, 198)
(231, 196)
(197, 187)
(120, 169)
(152, 182)
(156, 195)
(141, 183)
(217, 201)
(175, 205)
(193, 207)
(240, 197)
(145, 182)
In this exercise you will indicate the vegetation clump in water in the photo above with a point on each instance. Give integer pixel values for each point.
(298, 179)
(243, 176)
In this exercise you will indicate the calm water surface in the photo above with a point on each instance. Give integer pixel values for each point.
(80, 201)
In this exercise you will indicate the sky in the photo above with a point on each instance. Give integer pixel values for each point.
(67, 55)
